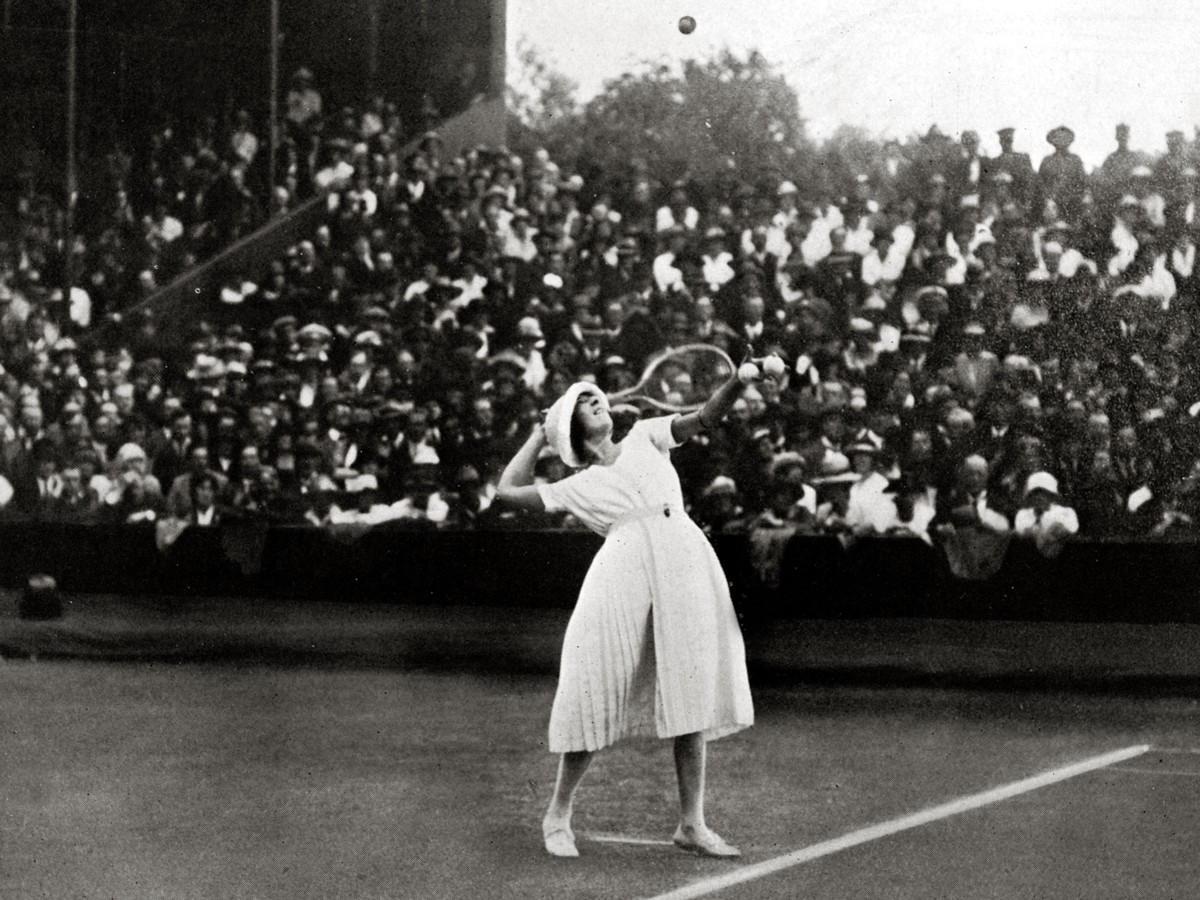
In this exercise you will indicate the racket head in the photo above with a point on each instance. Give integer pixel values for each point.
(680, 379)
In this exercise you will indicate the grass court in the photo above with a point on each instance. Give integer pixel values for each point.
(404, 756)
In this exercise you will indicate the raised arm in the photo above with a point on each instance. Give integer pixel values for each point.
(516, 482)
(718, 405)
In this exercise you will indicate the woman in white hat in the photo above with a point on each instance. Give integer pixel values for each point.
(1044, 517)
(653, 646)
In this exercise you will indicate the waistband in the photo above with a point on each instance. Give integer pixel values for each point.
(640, 513)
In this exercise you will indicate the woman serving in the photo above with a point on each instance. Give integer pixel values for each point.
(653, 646)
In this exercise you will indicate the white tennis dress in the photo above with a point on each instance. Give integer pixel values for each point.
(653, 646)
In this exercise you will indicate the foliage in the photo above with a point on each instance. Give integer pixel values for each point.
(541, 101)
(707, 120)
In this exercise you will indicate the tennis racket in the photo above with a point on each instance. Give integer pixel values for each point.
(681, 379)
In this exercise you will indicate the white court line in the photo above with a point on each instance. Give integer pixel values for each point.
(1174, 772)
(904, 823)
(622, 839)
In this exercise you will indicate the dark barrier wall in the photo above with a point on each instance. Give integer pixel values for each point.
(1090, 581)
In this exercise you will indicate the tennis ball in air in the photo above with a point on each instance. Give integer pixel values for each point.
(747, 372)
(687, 25)
(773, 366)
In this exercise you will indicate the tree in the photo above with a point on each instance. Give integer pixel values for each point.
(541, 101)
(727, 115)
(849, 152)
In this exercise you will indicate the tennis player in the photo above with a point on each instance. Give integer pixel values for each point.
(653, 646)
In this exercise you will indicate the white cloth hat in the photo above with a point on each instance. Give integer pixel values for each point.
(1139, 498)
(558, 421)
(1041, 481)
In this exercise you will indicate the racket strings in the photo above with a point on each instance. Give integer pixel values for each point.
(684, 378)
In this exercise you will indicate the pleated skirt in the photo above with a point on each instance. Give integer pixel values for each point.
(653, 647)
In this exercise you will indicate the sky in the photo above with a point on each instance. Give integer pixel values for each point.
(896, 67)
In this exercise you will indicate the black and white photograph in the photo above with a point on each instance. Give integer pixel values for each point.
(654, 450)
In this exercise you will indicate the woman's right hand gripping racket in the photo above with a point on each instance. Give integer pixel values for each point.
(680, 379)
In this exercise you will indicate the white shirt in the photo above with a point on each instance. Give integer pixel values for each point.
(666, 275)
(664, 219)
(816, 246)
(535, 372)
(859, 240)
(868, 505)
(1183, 260)
(1028, 523)
(923, 512)
(988, 517)
(169, 229)
(718, 270)
(365, 199)
(244, 144)
(513, 244)
(471, 290)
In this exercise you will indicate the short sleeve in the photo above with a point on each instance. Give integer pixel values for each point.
(575, 494)
(658, 431)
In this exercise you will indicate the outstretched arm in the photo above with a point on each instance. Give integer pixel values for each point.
(711, 413)
(516, 482)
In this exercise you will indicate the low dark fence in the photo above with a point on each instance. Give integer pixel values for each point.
(818, 578)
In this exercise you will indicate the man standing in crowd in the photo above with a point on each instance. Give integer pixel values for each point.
(1061, 177)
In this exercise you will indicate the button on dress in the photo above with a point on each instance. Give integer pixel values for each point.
(653, 645)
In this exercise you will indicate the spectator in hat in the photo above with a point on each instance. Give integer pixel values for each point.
(884, 261)
(667, 265)
(1112, 179)
(868, 510)
(1152, 202)
(1043, 516)
(837, 276)
(975, 367)
(1061, 176)
(519, 240)
(757, 252)
(910, 511)
(677, 212)
(967, 169)
(862, 351)
(130, 501)
(719, 509)
(303, 102)
(243, 143)
(1171, 180)
(530, 341)
(131, 458)
(716, 262)
(1016, 166)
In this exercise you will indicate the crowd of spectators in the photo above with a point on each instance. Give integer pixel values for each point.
(158, 202)
(973, 344)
